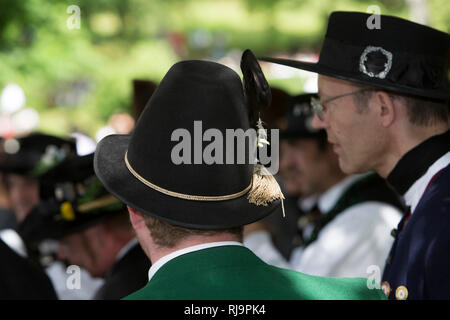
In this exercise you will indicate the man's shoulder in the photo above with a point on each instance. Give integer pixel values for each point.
(141, 294)
(436, 198)
(333, 288)
(441, 184)
(245, 276)
(301, 287)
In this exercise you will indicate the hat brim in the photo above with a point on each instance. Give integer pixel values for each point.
(110, 167)
(35, 230)
(359, 78)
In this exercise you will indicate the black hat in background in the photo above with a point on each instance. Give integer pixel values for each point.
(299, 118)
(34, 154)
(142, 91)
(73, 199)
(139, 170)
(400, 56)
(275, 116)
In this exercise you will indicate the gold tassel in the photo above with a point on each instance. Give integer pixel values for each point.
(265, 188)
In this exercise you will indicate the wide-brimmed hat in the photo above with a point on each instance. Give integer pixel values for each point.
(140, 170)
(34, 154)
(72, 199)
(397, 54)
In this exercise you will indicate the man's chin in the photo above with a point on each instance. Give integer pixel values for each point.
(349, 168)
(345, 166)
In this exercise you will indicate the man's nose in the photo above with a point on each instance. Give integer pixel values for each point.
(317, 123)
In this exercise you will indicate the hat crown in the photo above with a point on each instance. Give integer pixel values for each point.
(394, 33)
(193, 97)
(384, 52)
(395, 54)
(299, 118)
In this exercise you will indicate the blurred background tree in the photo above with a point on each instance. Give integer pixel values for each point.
(77, 78)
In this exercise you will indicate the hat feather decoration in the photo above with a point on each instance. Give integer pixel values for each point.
(265, 188)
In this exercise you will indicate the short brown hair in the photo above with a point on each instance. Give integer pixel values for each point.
(421, 111)
(168, 235)
(425, 112)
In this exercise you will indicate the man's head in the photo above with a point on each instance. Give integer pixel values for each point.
(170, 188)
(96, 247)
(375, 84)
(90, 224)
(369, 127)
(317, 163)
(164, 171)
(308, 164)
(24, 160)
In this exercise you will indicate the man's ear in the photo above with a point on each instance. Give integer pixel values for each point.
(136, 218)
(385, 108)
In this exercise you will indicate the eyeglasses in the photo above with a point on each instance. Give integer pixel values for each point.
(319, 108)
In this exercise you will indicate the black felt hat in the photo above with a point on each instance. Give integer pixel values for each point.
(72, 199)
(299, 119)
(139, 169)
(34, 154)
(400, 56)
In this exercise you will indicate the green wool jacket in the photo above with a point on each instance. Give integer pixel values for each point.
(235, 272)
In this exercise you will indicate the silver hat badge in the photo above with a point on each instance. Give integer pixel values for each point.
(387, 65)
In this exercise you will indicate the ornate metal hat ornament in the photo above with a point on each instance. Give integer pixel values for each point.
(375, 62)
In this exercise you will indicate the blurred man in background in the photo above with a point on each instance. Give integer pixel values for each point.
(22, 161)
(346, 225)
(91, 226)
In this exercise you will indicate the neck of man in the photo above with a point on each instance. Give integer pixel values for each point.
(113, 243)
(332, 180)
(123, 241)
(156, 252)
(403, 140)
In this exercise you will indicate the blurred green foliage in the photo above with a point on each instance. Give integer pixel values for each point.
(76, 78)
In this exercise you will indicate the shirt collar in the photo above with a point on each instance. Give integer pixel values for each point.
(415, 192)
(329, 198)
(415, 163)
(160, 262)
(307, 203)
